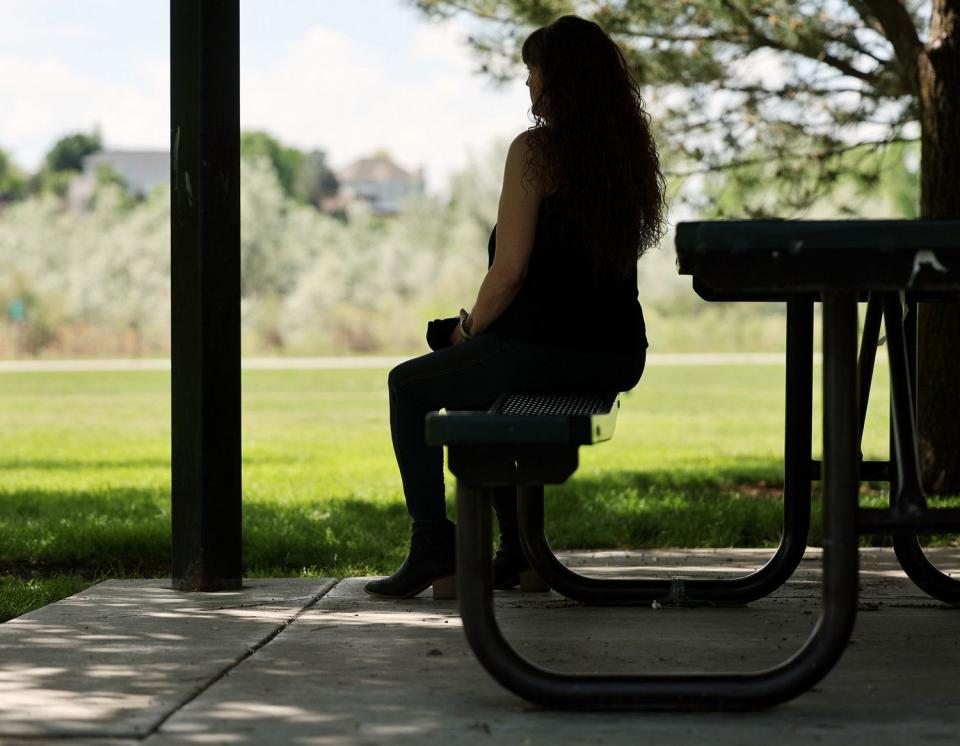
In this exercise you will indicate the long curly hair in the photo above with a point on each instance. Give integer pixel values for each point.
(591, 145)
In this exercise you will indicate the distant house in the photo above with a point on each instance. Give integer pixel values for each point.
(380, 182)
(141, 170)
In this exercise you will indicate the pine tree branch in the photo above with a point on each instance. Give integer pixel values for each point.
(846, 34)
(466, 7)
(740, 38)
(817, 155)
(760, 39)
(792, 90)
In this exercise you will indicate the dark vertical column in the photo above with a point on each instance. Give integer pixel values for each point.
(205, 275)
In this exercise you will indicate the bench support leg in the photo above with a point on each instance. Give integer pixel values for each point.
(694, 691)
(730, 591)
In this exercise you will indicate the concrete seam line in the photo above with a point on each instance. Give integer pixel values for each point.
(247, 654)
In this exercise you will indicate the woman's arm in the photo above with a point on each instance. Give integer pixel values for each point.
(516, 228)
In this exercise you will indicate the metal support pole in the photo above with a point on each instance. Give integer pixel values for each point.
(205, 278)
(868, 354)
(907, 498)
(910, 337)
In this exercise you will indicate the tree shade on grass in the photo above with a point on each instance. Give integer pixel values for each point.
(696, 461)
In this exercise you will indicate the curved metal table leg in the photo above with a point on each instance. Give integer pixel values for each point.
(696, 691)
(925, 575)
(902, 349)
(729, 591)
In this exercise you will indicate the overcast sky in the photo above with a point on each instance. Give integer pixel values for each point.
(347, 77)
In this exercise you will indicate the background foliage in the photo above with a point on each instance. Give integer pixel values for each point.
(96, 280)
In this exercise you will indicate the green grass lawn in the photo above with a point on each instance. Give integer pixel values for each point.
(85, 457)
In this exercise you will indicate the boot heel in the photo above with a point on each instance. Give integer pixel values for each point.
(445, 589)
(532, 583)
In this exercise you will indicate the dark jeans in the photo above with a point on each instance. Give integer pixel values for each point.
(471, 376)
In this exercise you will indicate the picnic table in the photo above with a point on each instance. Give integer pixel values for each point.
(892, 265)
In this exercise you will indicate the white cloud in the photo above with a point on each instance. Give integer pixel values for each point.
(322, 89)
(331, 91)
(441, 43)
(45, 99)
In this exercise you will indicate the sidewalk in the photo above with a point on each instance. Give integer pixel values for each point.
(360, 362)
(313, 661)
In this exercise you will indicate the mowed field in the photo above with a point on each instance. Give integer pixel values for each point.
(85, 463)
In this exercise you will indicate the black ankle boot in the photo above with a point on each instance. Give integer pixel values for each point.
(432, 557)
(509, 561)
(510, 566)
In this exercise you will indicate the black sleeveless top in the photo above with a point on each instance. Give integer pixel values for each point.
(559, 305)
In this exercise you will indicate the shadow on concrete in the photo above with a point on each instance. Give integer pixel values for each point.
(118, 658)
(356, 669)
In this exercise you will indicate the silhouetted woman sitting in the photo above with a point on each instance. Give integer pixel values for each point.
(582, 199)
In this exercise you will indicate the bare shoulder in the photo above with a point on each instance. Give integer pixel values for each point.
(520, 142)
(519, 150)
(519, 162)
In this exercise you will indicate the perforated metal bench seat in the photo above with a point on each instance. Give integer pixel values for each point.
(529, 418)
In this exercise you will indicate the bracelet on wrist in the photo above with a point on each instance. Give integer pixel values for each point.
(464, 318)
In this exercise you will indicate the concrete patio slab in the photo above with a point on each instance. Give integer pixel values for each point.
(359, 670)
(117, 659)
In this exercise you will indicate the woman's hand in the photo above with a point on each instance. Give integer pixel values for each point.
(455, 337)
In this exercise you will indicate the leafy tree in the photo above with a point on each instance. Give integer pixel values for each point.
(105, 268)
(269, 264)
(112, 184)
(68, 152)
(286, 161)
(739, 82)
(799, 85)
(311, 284)
(315, 180)
(885, 185)
(13, 182)
(129, 272)
(63, 161)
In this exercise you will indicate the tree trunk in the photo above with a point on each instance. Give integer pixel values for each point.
(938, 405)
